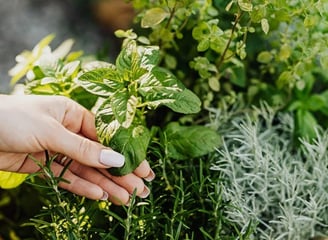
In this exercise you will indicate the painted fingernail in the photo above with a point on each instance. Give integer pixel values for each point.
(150, 176)
(111, 158)
(127, 204)
(104, 197)
(145, 192)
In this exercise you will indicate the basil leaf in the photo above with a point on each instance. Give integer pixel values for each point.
(184, 142)
(133, 143)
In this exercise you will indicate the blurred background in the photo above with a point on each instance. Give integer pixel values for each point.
(23, 23)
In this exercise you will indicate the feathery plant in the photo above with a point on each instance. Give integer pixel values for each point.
(281, 188)
(64, 216)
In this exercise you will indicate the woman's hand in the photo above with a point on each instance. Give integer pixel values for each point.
(32, 124)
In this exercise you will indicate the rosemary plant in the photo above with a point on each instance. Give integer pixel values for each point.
(282, 188)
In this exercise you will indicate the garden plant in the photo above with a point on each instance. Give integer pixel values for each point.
(228, 101)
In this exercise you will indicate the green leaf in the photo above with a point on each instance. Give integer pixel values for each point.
(237, 75)
(245, 5)
(158, 87)
(162, 87)
(286, 78)
(264, 57)
(101, 82)
(124, 107)
(265, 25)
(186, 102)
(185, 142)
(133, 61)
(132, 143)
(153, 17)
(315, 102)
(38, 73)
(106, 124)
(306, 124)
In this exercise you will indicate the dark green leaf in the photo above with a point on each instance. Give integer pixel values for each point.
(132, 143)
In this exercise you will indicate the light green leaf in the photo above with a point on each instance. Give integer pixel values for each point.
(203, 45)
(185, 142)
(153, 17)
(285, 52)
(324, 60)
(245, 5)
(133, 143)
(265, 25)
(264, 57)
(286, 78)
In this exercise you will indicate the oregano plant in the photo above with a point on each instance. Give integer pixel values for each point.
(121, 95)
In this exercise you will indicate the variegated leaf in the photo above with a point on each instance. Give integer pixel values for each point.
(158, 87)
(124, 107)
(106, 123)
(101, 82)
(136, 61)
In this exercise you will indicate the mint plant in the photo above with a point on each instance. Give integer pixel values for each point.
(125, 92)
(130, 88)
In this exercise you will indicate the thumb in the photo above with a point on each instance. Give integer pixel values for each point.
(84, 150)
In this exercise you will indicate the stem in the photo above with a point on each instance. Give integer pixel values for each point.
(222, 58)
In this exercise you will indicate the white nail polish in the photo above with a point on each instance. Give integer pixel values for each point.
(104, 197)
(111, 158)
(150, 176)
(145, 193)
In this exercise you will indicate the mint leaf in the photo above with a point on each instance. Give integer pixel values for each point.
(162, 87)
(133, 143)
(185, 102)
(124, 107)
(101, 82)
(184, 142)
(106, 124)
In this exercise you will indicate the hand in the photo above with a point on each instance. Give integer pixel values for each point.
(32, 124)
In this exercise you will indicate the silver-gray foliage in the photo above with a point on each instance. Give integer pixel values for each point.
(282, 188)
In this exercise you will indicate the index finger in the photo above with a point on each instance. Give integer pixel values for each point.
(79, 120)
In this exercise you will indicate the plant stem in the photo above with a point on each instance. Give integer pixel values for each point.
(222, 58)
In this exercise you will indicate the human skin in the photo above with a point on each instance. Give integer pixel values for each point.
(31, 124)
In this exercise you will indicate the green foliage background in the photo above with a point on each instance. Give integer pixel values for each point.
(234, 55)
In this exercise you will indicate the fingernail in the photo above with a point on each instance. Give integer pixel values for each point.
(145, 192)
(127, 204)
(150, 176)
(104, 197)
(111, 158)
